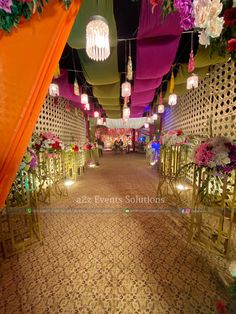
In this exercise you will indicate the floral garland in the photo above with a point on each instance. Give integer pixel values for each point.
(13, 12)
(29, 161)
(217, 153)
(214, 20)
(174, 137)
(47, 142)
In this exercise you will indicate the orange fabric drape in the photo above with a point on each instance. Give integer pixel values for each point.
(28, 59)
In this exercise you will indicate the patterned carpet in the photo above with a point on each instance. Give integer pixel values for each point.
(104, 254)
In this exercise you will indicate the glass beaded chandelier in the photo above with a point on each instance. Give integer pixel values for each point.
(97, 38)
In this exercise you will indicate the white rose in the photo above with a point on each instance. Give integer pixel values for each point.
(204, 39)
(215, 27)
(215, 8)
(201, 10)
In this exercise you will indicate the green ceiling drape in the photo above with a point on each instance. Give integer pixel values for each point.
(100, 73)
(103, 76)
(202, 62)
(77, 38)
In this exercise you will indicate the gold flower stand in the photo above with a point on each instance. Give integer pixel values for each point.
(213, 209)
(50, 173)
(171, 160)
(20, 226)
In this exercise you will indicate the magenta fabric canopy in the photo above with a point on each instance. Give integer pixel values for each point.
(157, 43)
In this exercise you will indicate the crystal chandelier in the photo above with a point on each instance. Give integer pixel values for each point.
(192, 81)
(172, 99)
(97, 38)
(160, 108)
(53, 90)
(126, 89)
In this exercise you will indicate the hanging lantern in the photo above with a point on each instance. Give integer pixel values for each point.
(172, 99)
(54, 90)
(149, 120)
(154, 116)
(76, 87)
(96, 114)
(87, 106)
(146, 125)
(99, 121)
(160, 108)
(126, 89)
(192, 81)
(84, 99)
(97, 38)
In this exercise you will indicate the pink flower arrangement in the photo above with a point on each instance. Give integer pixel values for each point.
(174, 137)
(216, 153)
(47, 141)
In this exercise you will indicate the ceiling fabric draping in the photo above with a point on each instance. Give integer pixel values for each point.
(132, 123)
(157, 43)
(103, 76)
(39, 44)
(203, 60)
(77, 38)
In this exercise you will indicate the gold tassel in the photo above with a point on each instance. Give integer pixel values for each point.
(129, 69)
(76, 87)
(57, 72)
(172, 83)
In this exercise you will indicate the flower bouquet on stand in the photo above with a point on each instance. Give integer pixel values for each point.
(214, 188)
(173, 156)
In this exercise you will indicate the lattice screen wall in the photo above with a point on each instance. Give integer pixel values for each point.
(214, 99)
(69, 126)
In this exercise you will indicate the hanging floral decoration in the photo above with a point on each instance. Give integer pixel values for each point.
(13, 12)
(185, 9)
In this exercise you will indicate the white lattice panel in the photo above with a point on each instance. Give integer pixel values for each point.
(69, 126)
(214, 99)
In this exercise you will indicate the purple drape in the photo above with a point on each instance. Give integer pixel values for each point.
(157, 43)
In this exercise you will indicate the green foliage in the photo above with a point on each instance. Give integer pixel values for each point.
(23, 10)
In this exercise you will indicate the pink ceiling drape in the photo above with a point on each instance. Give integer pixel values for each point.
(157, 43)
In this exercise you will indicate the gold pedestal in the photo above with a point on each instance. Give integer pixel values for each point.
(213, 207)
